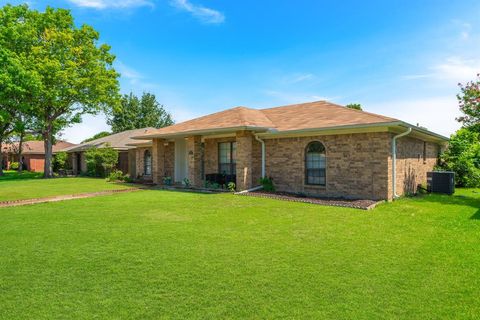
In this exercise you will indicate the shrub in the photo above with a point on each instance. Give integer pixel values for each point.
(186, 182)
(463, 158)
(267, 184)
(60, 161)
(167, 181)
(101, 161)
(231, 186)
(117, 175)
(14, 165)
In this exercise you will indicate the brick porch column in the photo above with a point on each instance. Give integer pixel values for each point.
(158, 160)
(244, 160)
(194, 145)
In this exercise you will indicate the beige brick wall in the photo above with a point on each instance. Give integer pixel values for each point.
(411, 167)
(357, 165)
(194, 160)
(211, 153)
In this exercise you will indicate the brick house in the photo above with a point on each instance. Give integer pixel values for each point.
(33, 154)
(119, 141)
(318, 148)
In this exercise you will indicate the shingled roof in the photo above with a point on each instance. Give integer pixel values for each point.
(312, 115)
(119, 141)
(37, 147)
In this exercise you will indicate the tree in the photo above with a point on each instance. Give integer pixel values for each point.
(356, 106)
(463, 157)
(469, 100)
(75, 73)
(17, 85)
(135, 113)
(97, 136)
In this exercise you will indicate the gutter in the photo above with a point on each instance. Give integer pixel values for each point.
(394, 160)
(263, 154)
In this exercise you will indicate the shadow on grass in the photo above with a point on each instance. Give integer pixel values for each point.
(25, 175)
(476, 216)
(456, 199)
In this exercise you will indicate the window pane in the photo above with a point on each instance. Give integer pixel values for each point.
(315, 163)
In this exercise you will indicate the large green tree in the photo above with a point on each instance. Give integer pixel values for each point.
(137, 113)
(75, 72)
(99, 135)
(469, 100)
(17, 85)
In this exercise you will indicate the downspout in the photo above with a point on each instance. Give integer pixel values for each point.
(394, 161)
(263, 154)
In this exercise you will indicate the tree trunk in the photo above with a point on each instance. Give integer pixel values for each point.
(1, 158)
(47, 141)
(20, 152)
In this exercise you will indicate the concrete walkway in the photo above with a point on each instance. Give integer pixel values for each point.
(16, 203)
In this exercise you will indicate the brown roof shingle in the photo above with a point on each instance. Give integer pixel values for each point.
(313, 115)
(37, 147)
(119, 141)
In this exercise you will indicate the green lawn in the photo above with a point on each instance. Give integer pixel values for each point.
(30, 185)
(159, 254)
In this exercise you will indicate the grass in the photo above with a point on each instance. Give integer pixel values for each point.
(28, 185)
(159, 254)
(9, 175)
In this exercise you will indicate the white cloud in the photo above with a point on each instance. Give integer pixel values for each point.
(104, 4)
(435, 113)
(204, 14)
(452, 69)
(298, 77)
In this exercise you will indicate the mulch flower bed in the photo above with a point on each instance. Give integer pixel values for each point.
(338, 202)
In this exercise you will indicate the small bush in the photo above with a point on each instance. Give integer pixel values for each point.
(231, 186)
(167, 181)
(117, 175)
(186, 182)
(14, 165)
(267, 184)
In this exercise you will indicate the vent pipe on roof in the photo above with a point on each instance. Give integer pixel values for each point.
(263, 154)
(394, 161)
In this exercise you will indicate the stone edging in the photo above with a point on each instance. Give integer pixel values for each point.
(319, 201)
(23, 202)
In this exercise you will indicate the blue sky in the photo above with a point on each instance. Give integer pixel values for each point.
(397, 58)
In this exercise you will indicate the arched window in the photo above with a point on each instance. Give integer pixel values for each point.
(147, 163)
(315, 164)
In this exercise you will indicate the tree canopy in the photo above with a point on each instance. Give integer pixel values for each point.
(71, 73)
(356, 106)
(137, 113)
(469, 100)
(463, 157)
(97, 136)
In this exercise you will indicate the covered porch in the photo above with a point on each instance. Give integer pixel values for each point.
(234, 156)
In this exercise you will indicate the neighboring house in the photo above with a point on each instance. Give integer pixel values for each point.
(119, 141)
(317, 148)
(33, 154)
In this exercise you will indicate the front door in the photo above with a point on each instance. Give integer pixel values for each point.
(181, 163)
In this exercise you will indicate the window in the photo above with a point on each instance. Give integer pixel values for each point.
(227, 157)
(315, 163)
(147, 163)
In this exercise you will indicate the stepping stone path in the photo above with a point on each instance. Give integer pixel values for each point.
(16, 203)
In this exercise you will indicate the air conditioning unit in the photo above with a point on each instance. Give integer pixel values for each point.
(441, 182)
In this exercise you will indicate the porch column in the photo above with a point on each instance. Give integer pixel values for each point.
(158, 160)
(244, 160)
(194, 145)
